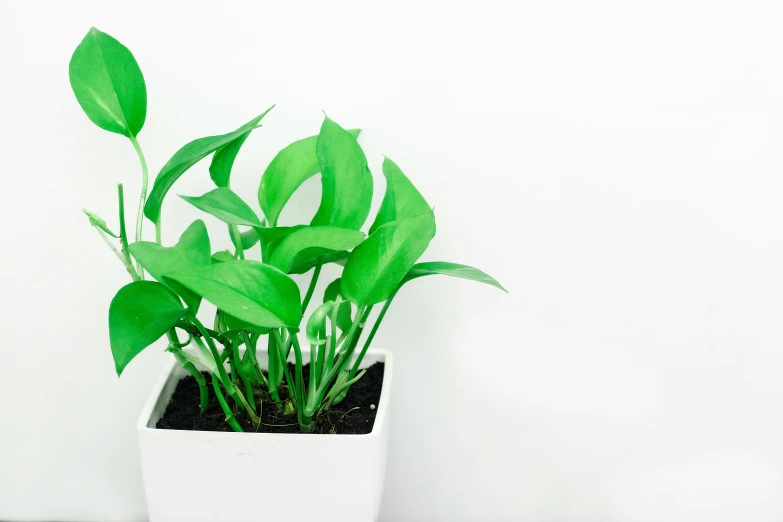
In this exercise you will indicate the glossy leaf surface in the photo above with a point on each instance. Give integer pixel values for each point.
(191, 251)
(376, 267)
(185, 158)
(307, 244)
(139, 315)
(452, 270)
(223, 160)
(401, 200)
(225, 205)
(108, 84)
(251, 291)
(346, 181)
(291, 167)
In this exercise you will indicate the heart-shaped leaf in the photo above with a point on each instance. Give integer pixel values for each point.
(377, 266)
(139, 315)
(450, 269)
(225, 205)
(185, 158)
(291, 167)
(309, 243)
(108, 84)
(401, 200)
(344, 319)
(191, 251)
(346, 180)
(254, 292)
(223, 160)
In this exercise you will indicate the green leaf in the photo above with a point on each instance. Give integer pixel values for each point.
(272, 236)
(108, 84)
(251, 291)
(249, 238)
(291, 167)
(139, 315)
(402, 200)
(225, 205)
(98, 221)
(222, 257)
(309, 243)
(346, 180)
(191, 251)
(344, 319)
(450, 269)
(223, 160)
(185, 158)
(376, 267)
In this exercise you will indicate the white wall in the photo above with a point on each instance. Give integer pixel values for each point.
(617, 165)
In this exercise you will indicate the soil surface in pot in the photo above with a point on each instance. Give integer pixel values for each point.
(355, 415)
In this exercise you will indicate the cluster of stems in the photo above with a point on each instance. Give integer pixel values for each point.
(334, 360)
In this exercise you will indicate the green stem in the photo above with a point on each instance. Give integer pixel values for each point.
(240, 253)
(232, 421)
(105, 237)
(232, 390)
(314, 401)
(370, 336)
(126, 259)
(193, 371)
(242, 377)
(313, 281)
(144, 185)
(157, 231)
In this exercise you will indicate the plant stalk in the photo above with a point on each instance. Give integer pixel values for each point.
(126, 259)
(240, 253)
(313, 281)
(144, 186)
(232, 421)
(371, 335)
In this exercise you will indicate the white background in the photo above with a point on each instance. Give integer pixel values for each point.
(617, 165)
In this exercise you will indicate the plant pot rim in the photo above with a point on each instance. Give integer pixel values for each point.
(151, 405)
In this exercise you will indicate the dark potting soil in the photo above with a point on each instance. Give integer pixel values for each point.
(355, 415)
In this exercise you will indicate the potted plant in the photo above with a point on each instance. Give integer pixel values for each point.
(251, 375)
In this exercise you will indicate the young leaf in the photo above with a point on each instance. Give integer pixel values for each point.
(377, 266)
(222, 257)
(108, 84)
(191, 251)
(344, 319)
(249, 238)
(346, 180)
(139, 315)
(223, 160)
(309, 243)
(291, 167)
(401, 199)
(185, 158)
(98, 221)
(450, 269)
(225, 205)
(251, 291)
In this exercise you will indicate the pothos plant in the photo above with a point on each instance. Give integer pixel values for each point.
(256, 299)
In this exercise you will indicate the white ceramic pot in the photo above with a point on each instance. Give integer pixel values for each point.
(194, 476)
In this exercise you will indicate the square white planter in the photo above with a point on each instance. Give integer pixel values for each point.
(194, 476)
